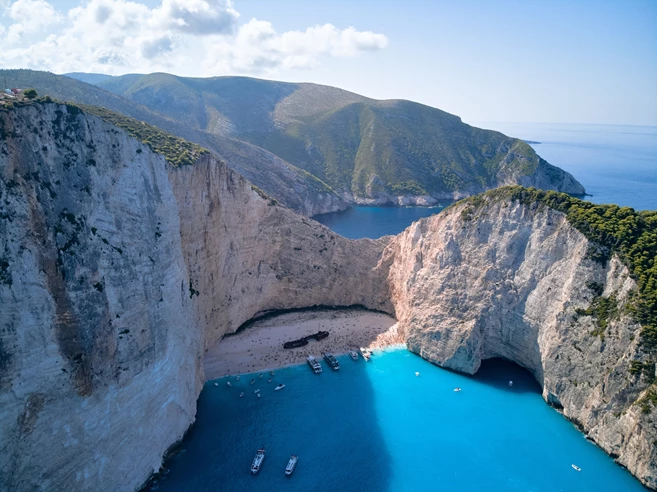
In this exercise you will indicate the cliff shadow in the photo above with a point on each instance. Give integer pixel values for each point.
(328, 420)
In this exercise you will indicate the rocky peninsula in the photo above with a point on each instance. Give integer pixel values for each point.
(123, 260)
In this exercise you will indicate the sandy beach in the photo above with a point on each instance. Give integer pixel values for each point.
(260, 346)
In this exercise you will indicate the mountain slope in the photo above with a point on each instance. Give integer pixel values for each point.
(367, 150)
(291, 186)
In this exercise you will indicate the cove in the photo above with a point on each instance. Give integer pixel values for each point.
(377, 426)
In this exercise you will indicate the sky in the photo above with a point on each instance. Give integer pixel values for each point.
(484, 60)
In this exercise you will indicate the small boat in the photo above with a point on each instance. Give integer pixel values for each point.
(291, 465)
(314, 364)
(417, 373)
(269, 380)
(457, 389)
(228, 383)
(271, 373)
(510, 383)
(216, 384)
(237, 378)
(242, 394)
(256, 391)
(258, 395)
(279, 387)
(252, 381)
(257, 461)
(331, 361)
(353, 354)
(260, 377)
(365, 353)
(577, 468)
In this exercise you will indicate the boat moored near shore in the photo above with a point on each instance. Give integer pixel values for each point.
(331, 361)
(367, 355)
(353, 354)
(314, 364)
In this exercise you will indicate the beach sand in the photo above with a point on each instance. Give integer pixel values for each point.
(260, 346)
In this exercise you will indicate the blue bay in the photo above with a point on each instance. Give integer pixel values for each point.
(377, 427)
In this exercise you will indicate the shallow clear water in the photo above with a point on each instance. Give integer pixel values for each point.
(377, 427)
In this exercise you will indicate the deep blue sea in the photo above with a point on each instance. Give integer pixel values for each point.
(377, 427)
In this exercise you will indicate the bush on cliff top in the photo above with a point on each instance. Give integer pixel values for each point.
(631, 235)
(176, 151)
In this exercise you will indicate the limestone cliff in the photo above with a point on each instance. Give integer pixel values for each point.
(514, 280)
(117, 270)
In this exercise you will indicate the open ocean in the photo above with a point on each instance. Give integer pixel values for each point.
(377, 427)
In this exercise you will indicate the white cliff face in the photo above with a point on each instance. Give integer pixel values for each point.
(506, 282)
(117, 270)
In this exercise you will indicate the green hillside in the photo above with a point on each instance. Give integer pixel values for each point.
(291, 186)
(358, 146)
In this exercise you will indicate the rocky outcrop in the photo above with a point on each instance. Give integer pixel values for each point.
(515, 280)
(117, 270)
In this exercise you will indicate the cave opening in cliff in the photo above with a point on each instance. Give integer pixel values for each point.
(498, 372)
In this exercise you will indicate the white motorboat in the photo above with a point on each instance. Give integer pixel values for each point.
(365, 353)
(242, 394)
(577, 468)
(314, 364)
(269, 380)
(331, 361)
(291, 465)
(216, 384)
(257, 461)
(417, 373)
(260, 377)
(457, 389)
(228, 383)
(256, 391)
(279, 387)
(237, 378)
(353, 354)
(510, 383)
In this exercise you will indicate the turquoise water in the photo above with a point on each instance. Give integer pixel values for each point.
(377, 427)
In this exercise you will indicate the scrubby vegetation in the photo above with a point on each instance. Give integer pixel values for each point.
(621, 230)
(176, 151)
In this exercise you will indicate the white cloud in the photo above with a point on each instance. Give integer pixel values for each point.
(30, 16)
(191, 37)
(257, 47)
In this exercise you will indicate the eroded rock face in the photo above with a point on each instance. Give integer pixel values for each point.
(507, 283)
(117, 270)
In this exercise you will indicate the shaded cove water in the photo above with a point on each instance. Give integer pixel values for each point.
(374, 222)
(378, 427)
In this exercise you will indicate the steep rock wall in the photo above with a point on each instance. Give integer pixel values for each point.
(117, 270)
(507, 282)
